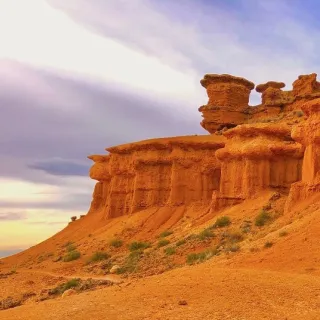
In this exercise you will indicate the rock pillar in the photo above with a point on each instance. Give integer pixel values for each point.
(228, 101)
(308, 134)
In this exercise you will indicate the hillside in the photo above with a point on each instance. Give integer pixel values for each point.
(228, 222)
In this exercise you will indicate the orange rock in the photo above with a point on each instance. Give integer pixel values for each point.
(228, 100)
(155, 173)
(256, 158)
(308, 134)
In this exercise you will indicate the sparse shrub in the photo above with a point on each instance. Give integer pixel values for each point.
(268, 244)
(169, 251)
(61, 288)
(299, 113)
(117, 243)
(222, 222)
(98, 256)
(131, 263)
(283, 233)
(72, 255)
(233, 237)
(163, 243)
(193, 258)
(262, 218)
(165, 234)
(205, 234)
(56, 259)
(133, 246)
(181, 242)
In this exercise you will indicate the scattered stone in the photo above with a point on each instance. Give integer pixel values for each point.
(114, 269)
(182, 303)
(69, 292)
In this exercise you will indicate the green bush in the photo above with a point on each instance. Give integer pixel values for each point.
(98, 256)
(163, 243)
(283, 233)
(262, 218)
(72, 255)
(138, 245)
(117, 243)
(234, 236)
(205, 234)
(169, 251)
(181, 242)
(165, 234)
(222, 222)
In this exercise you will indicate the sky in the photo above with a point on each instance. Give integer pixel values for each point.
(78, 76)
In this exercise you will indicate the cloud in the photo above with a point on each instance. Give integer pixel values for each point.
(82, 119)
(258, 40)
(61, 167)
(11, 216)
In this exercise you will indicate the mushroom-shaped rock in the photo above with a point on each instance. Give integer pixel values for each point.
(228, 100)
(270, 84)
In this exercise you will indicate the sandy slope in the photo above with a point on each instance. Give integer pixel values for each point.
(211, 293)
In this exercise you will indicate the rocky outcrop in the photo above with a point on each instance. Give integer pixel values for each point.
(256, 158)
(154, 173)
(308, 134)
(237, 161)
(228, 100)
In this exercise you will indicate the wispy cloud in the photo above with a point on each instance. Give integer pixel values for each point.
(10, 216)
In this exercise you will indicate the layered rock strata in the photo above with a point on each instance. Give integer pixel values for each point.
(228, 100)
(155, 173)
(308, 134)
(256, 158)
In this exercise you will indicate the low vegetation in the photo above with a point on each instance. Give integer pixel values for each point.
(194, 258)
(163, 243)
(71, 256)
(262, 218)
(165, 234)
(64, 286)
(169, 251)
(222, 222)
(205, 234)
(131, 263)
(116, 243)
(98, 256)
(133, 246)
(181, 242)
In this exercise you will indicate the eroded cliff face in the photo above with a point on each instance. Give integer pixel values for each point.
(155, 173)
(256, 158)
(250, 150)
(308, 134)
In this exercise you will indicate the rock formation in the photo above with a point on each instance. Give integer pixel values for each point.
(228, 100)
(155, 173)
(308, 134)
(256, 158)
(249, 150)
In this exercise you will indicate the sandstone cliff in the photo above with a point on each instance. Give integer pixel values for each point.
(155, 173)
(269, 147)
